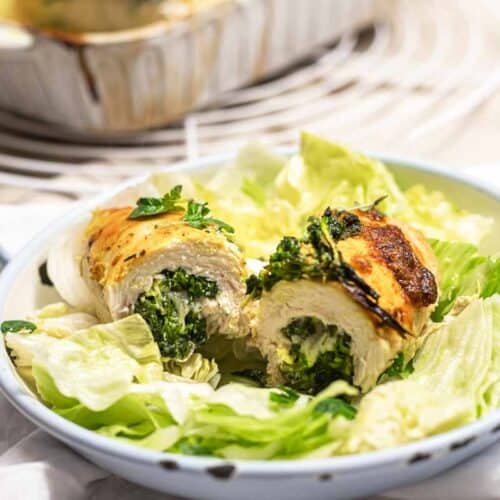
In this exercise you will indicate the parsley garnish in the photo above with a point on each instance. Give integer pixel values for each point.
(336, 407)
(15, 326)
(285, 397)
(147, 207)
(197, 215)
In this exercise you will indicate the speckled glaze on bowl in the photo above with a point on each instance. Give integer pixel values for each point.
(211, 478)
(147, 77)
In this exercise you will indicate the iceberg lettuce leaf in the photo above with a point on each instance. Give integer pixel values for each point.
(438, 218)
(133, 336)
(462, 354)
(159, 440)
(196, 368)
(136, 418)
(456, 380)
(403, 411)
(463, 272)
(217, 429)
(267, 197)
(96, 366)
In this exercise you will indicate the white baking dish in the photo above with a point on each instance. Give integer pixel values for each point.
(148, 77)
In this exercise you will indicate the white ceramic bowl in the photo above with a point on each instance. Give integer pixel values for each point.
(334, 478)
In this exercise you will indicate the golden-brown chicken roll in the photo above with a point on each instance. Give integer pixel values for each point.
(186, 282)
(345, 302)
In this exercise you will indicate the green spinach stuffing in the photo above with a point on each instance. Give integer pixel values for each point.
(398, 369)
(171, 309)
(318, 354)
(314, 256)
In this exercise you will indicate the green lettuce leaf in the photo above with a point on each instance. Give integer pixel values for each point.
(95, 366)
(180, 398)
(438, 218)
(159, 440)
(140, 418)
(463, 272)
(219, 428)
(267, 197)
(343, 178)
(133, 336)
(363, 180)
(234, 421)
(456, 379)
(60, 320)
(195, 368)
(460, 357)
(400, 412)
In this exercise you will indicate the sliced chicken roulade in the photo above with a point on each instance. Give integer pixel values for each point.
(181, 274)
(345, 302)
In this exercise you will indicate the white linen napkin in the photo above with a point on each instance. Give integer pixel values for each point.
(34, 466)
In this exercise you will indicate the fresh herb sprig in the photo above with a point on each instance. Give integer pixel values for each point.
(284, 396)
(169, 202)
(196, 214)
(16, 326)
(336, 407)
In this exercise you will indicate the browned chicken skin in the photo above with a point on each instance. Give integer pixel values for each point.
(398, 263)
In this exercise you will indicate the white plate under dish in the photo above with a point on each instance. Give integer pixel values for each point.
(210, 478)
(147, 77)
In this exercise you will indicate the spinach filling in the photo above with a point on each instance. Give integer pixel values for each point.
(319, 354)
(314, 256)
(172, 310)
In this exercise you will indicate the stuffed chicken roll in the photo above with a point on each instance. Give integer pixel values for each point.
(348, 301)
(174, 266)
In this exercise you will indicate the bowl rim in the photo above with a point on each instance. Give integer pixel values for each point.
(83, 439)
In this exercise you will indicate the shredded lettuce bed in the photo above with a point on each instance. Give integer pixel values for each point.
(273, 197)
(111, 379)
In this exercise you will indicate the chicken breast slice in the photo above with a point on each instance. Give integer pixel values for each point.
(397, 262)
(124, 256)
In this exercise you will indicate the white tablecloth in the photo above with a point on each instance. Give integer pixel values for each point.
(34, 466)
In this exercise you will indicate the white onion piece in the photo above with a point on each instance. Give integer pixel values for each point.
(64, 268)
